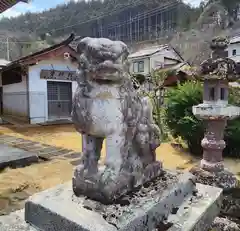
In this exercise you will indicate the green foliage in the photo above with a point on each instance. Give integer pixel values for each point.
(183, 123)
(232, 132)
(179, 117)
(157, 78)
(188, 16)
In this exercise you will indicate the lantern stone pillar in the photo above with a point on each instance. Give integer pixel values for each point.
(215, 73)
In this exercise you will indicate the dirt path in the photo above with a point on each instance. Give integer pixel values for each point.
(65, 136)
(16, 185)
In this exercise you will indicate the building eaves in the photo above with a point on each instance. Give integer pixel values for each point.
(153, 50)
(21, 61)
(6, 4)
(178, 53)
(147, 51)
(235, 40)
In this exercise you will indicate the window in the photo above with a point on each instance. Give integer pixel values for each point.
(138, 66)
(212, 93)
(234, 52)
(135, 67)
(222, 94)
(141, 66)
(11, 76)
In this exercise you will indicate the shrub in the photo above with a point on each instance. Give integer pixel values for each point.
(182, 122)
(232, 132)
(179, 117)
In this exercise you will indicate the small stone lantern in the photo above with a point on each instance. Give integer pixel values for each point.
(216, 73)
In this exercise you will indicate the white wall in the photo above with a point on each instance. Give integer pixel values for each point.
(156, 60)
(170, 62)
(170, 53)
(232, 47)
(38, 88)
(15, 101)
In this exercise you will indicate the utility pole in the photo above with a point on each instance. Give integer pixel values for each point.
(130, 28)
(8, 51)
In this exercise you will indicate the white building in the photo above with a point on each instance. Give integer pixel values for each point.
(233, 52)
(39, 88)
(233, 49)
(151, 58)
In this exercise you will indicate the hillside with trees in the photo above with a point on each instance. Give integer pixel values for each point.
(50, 26)
(61, 20)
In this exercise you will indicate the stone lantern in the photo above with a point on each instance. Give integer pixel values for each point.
(216, 73)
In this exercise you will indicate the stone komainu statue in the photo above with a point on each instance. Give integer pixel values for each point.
(107, 106)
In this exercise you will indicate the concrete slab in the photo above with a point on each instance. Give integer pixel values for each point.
(14, 157)
(58, 209)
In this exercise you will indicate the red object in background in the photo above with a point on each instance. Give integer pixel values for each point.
(171, 80)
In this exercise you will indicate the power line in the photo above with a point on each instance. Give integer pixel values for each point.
(30, 42)
(140, 2)
(103, 15)
(137, 17)
(146, 13)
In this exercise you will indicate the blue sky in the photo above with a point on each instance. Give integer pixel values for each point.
(39, 5)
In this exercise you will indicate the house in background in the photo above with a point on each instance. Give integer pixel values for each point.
(152, 58)
(233, 50)
(39, 88)
(6, 4)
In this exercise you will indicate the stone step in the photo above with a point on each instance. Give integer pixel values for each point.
(44, 151)
(14, 157)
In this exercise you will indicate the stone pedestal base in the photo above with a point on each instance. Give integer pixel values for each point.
(171, 203)
(59, 209)
(107, 187)
(212, 167)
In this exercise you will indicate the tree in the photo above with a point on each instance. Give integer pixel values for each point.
(231, 6)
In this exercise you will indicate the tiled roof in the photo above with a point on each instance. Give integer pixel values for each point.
(42, 52)
(235, 39)
(6, 4)
(148, 51)
(4, 62)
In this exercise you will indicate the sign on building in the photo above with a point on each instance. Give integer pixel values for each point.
(58, 75)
